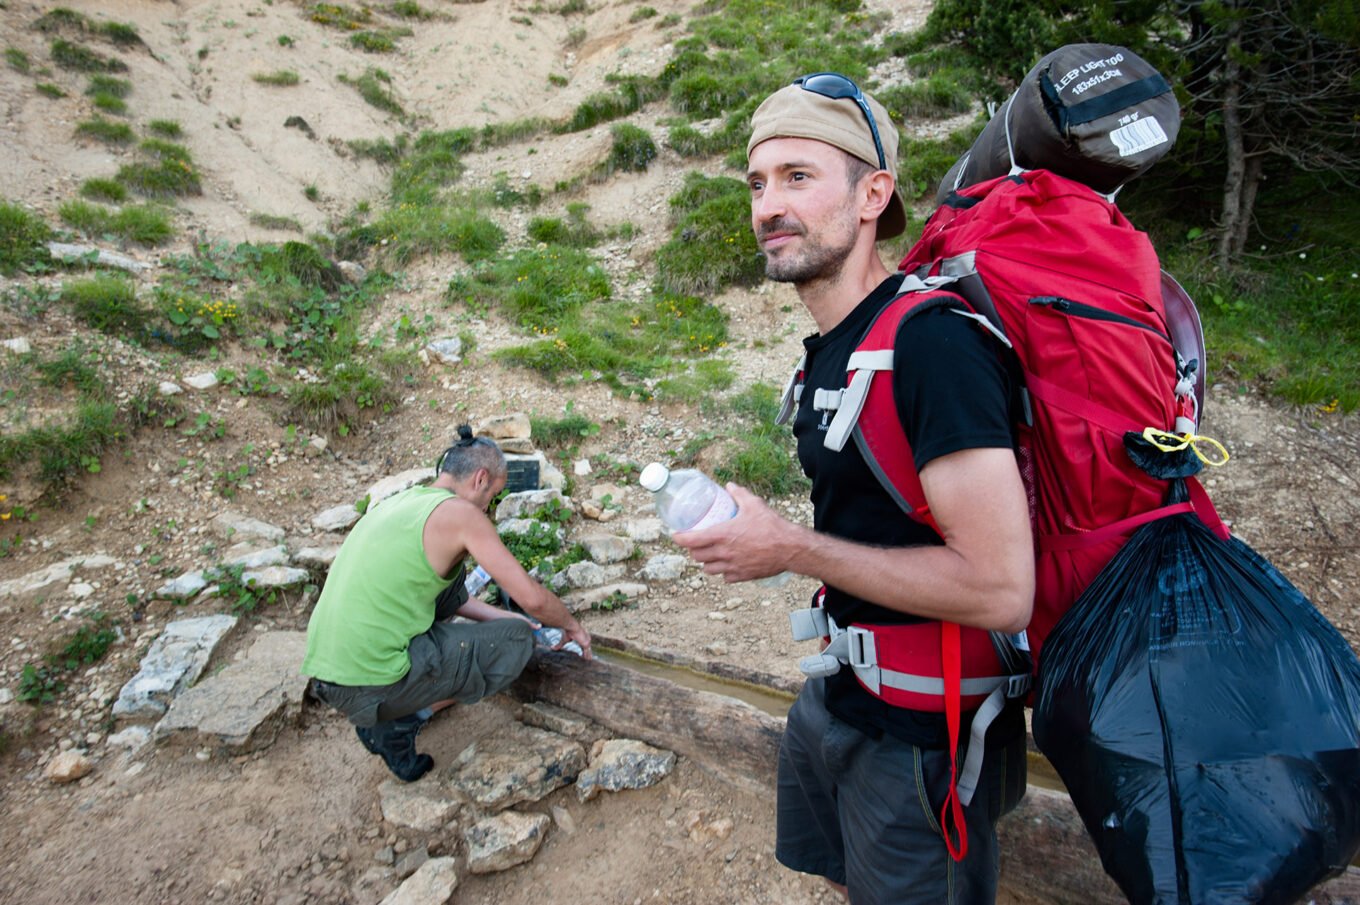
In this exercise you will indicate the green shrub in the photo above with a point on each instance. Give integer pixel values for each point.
(641, 13)
(409, 9)
(338, 15)
(632, 149)
(78, 58)
(104, 190)
(23, 239)
(90, 219)
(412, 231)
(106, 131)
(599, 108)
(278, 78)
(47, 89)
(373, 41)
(143, 223)
(107, 303)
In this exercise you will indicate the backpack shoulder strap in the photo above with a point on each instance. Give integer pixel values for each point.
(867, 410)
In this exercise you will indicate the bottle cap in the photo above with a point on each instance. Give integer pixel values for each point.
(654, 476)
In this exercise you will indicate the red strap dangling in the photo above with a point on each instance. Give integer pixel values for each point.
(951, 813)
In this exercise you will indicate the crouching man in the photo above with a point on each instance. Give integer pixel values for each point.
(381, 644)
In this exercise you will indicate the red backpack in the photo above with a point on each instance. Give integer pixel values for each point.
(1061, 278)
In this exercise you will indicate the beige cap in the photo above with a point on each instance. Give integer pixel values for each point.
(796, 112)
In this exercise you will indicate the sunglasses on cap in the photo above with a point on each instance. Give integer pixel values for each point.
(837, 87)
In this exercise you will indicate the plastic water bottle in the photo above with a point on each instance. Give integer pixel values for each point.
(687, 498)
(550, 636)
(477, 579)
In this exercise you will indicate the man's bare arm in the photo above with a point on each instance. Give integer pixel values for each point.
(983, 575)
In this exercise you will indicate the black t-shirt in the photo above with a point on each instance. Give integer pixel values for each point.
(953, 392)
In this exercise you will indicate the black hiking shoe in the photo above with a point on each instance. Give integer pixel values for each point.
(395, 743)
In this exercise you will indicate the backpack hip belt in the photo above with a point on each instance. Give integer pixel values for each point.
(905, 666)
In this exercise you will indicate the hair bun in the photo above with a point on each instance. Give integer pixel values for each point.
(464, 434)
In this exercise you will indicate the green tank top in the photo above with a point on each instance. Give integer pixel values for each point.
(380, 594)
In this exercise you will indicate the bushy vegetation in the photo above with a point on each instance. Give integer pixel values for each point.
(23, 238)
(712, 245)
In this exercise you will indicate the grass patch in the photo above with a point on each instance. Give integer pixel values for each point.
(375, 87)
(164, 170)
(273, 221)
(142, 223)
(165, 128)
(108, 85)
(412, 231)
(17, 60)
(573, 232)
(631, 151)
(761, 455)
(712, 246)
(373, 41)
(47, 89)
(23, 239)
(79, 58)
(104, 130)
(642, 13)
(409, 9)
(104, 190)
(339, 15)
(106, 302)
(281, 78)
(111, 104)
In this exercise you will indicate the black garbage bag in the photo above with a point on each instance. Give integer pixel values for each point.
(1206, 721)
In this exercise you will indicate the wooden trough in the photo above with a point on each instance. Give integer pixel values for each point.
(1046, 855)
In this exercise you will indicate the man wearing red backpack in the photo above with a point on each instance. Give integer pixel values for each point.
(868, 775)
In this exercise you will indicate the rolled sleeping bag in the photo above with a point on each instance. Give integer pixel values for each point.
(1094, 113)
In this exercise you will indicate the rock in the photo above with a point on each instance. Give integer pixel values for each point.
(410, 862)
(6, 697)
(424, 806)
(315, 446)
(445, 351)
(169, 388)
(663, 567)
(594, 509)
(562, 817)
(80, 589)
(586, 599)
(251, 556)
(317, 558)
(586, 574)
(205, 381)
(518, 527)
(394, 484)
(559, 720)
(61, 571)
(133, 738)
(19, 345)
(174, 661)
(516, 763)
(607, 493)
(527, 502)
(275, 577)
(607, 548)
(242, 708)
(514, 426)
(645, 530)
(183, 587)
(68, 766)
(352, 271)
(432, 884)
(502, 841)
(63, 251)
(236, 527)
(620, 764)
(516, 447)
(336, 518)
(580, 468)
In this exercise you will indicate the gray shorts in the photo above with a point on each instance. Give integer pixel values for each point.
(462, 661)
(864, 812)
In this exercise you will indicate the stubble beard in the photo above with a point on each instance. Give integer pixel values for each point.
(817, 261)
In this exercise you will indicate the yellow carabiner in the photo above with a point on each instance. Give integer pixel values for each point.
(1167, 441)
